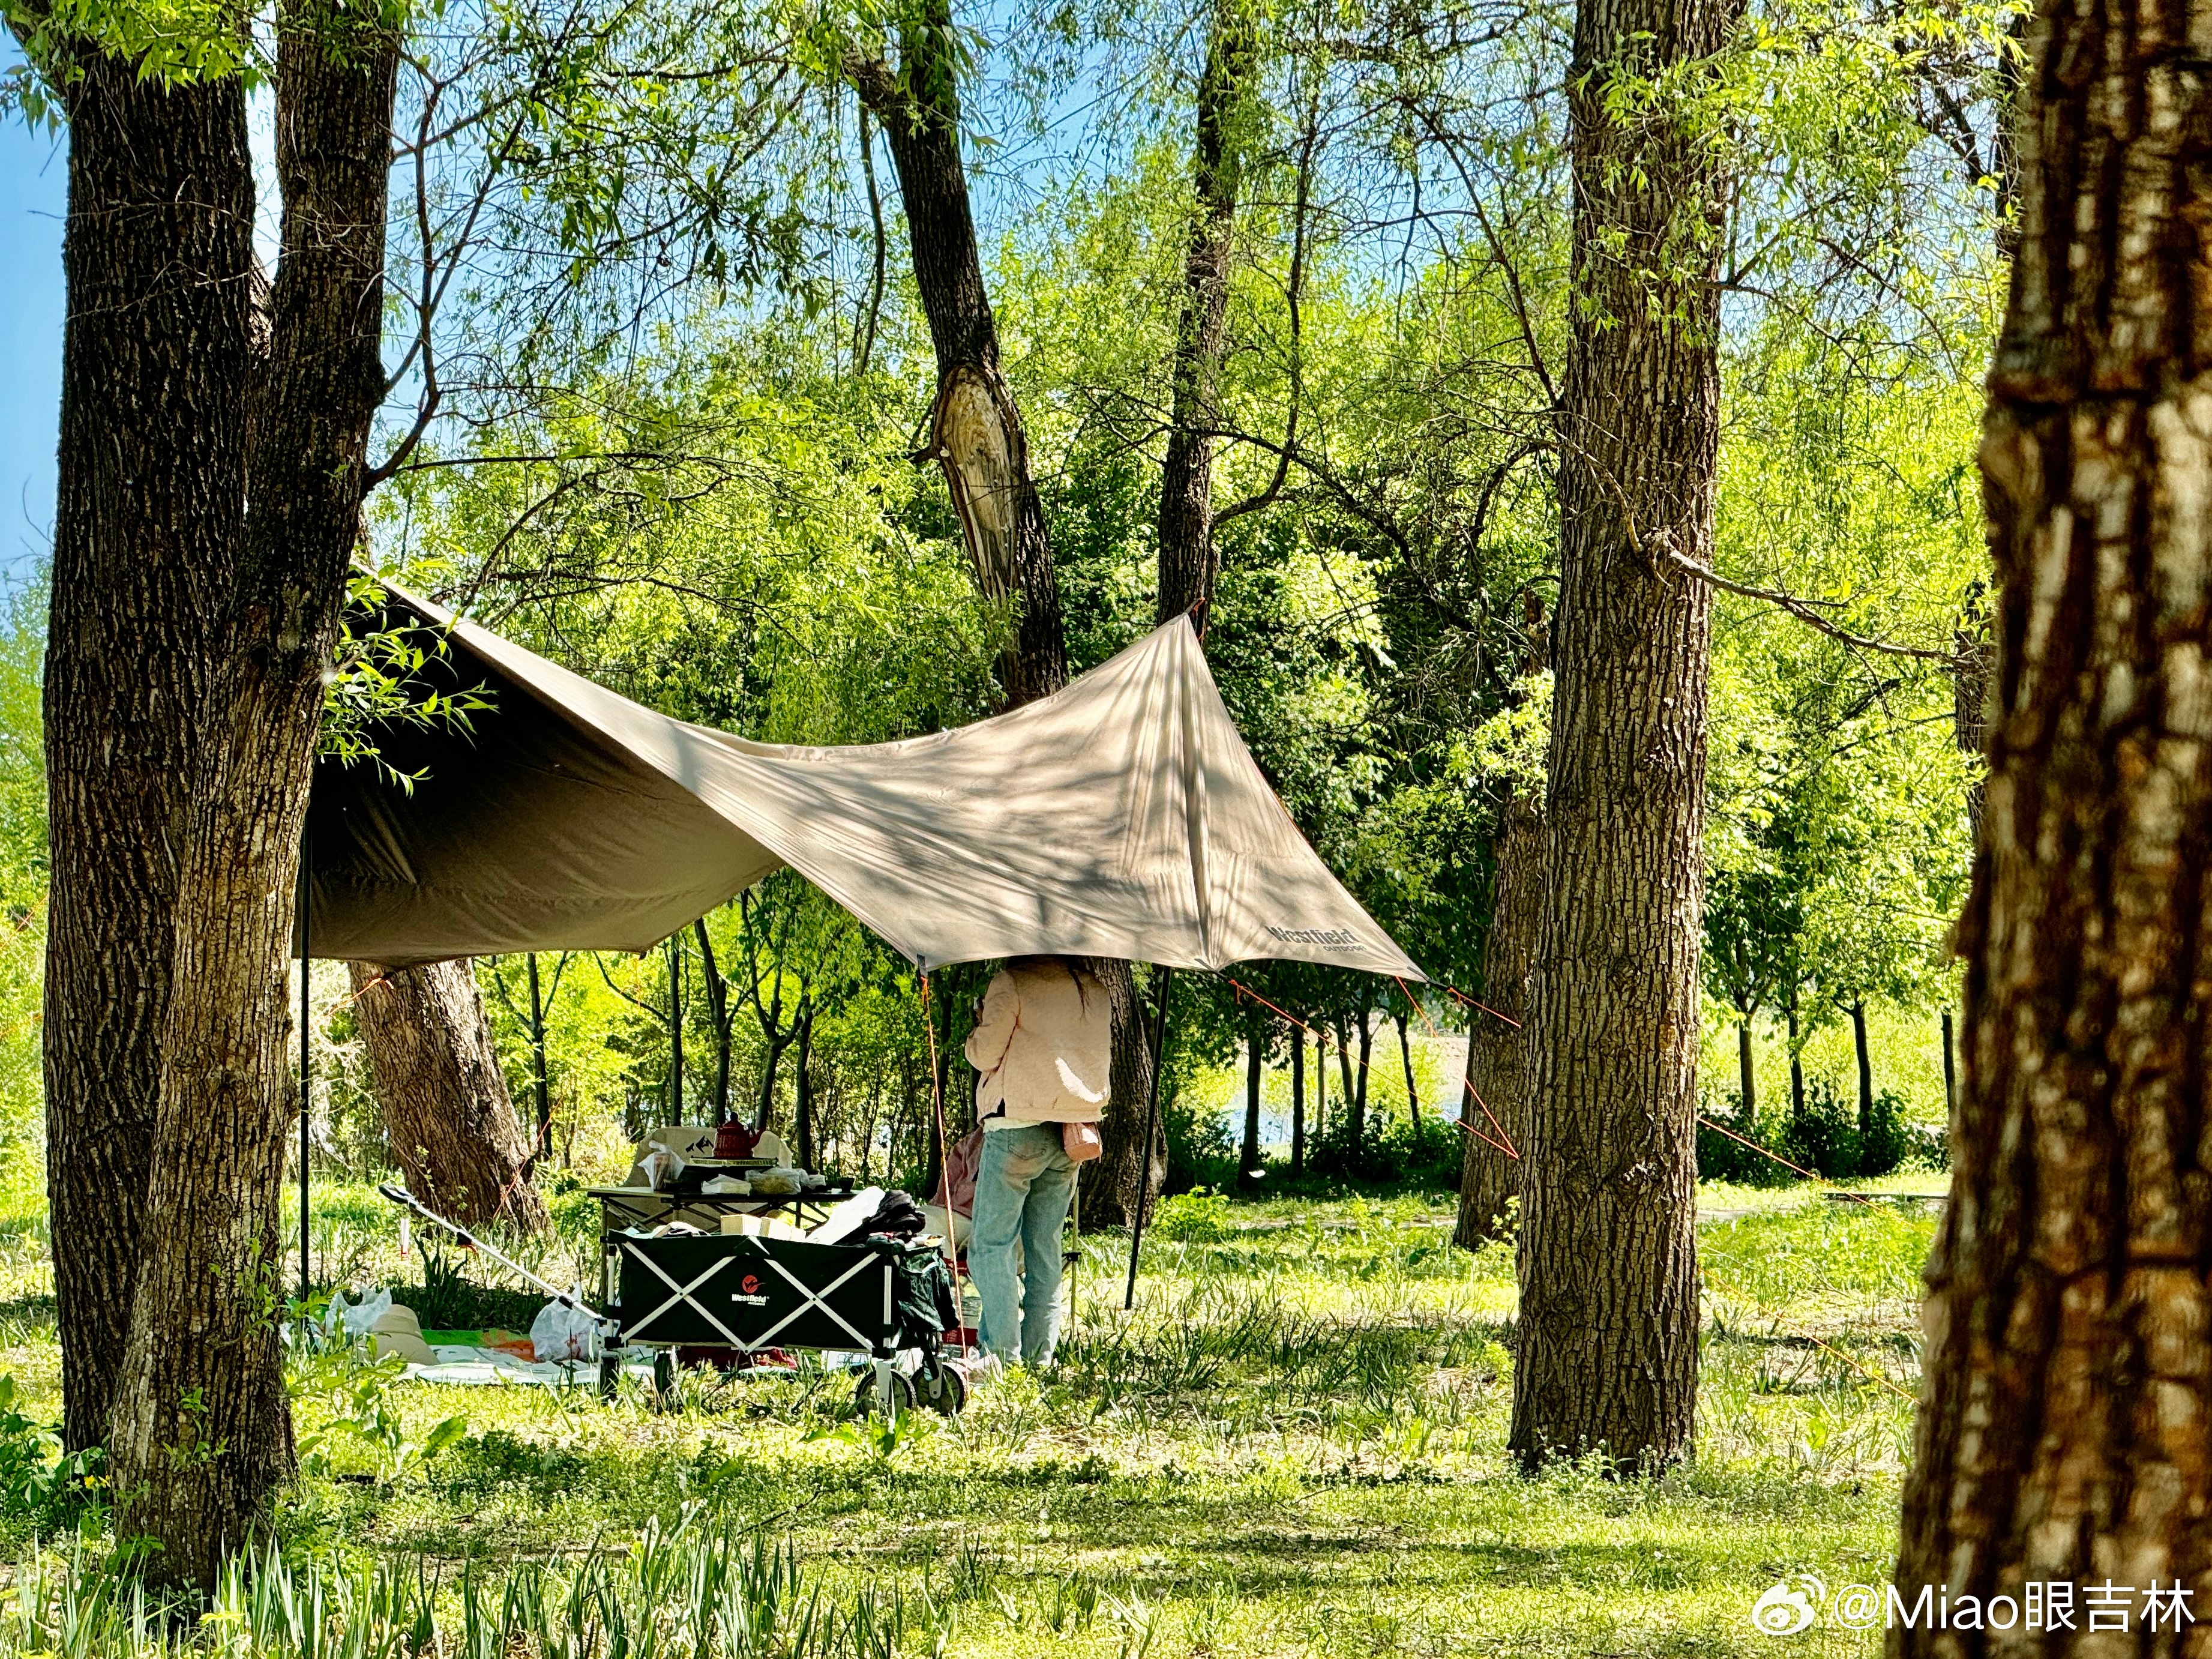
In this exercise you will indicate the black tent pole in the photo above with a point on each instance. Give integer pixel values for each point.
(305, 916)
(1152, 1132)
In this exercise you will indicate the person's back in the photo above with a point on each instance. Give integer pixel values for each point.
(1043, 1048)
(1043, 1045)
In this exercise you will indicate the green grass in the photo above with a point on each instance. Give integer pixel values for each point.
(1294, 1446)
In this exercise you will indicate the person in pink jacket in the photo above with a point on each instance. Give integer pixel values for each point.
(1042, 1046)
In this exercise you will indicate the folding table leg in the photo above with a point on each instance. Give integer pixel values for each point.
(884, 1385)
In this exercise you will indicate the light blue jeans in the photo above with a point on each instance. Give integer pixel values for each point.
(1022, 1186)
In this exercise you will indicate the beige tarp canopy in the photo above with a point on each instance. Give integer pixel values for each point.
(1122, 817)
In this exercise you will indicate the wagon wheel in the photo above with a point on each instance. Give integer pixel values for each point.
(947, 1393)
(866, 1403)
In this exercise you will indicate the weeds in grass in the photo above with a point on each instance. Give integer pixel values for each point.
(692, 1591)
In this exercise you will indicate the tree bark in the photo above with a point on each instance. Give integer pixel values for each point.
(1188, 561)
(202, 1430)
(976, 437)
(1297, 1102)
(1413, 1084)
(1865, 1065)
(1496, 1052)
(1607, 1337)
(540, 1084)
(1747, 1078)
(156, 374)
(2065, 1427)
(447, 1111)
(1796, 1063)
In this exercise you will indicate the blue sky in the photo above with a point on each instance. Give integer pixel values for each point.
(33, 189)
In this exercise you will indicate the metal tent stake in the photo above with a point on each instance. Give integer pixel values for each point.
(1152, 1130)
(305, 916)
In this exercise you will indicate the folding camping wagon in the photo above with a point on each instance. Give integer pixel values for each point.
(745, 1295)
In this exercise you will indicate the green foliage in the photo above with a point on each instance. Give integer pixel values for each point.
(1827, 1137)
(39, 1482)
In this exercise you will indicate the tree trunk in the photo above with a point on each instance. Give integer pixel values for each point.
(1607, 1352)
(1321, 1082)
(155, 378)
(675, 1029)
(1797, 1063)
(1496, 1052)
(1187, 563)
(1413, 1085)
(1970, 694)
(1248, 1164)
(1866, 1067)
(1360, 1091)
(1950, 1068)
(718, 1015)
(1297, 1102)
(1747, 1078)
(803, 1091)
(2066, 1412)
(202, 1430)
(540, 1085)
(446, 1112)
(976, 437)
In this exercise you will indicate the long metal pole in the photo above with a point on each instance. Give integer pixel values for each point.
(306, 914)
(1152, 1132)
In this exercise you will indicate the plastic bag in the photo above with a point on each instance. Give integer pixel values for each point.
(358, 1319)
(563, 1331)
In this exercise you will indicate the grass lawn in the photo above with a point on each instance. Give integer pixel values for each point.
(1295, 1445)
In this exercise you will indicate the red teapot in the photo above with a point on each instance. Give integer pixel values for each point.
(733, 1139)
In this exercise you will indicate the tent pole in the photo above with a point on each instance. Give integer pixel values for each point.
(1152, 1132)
(305, 902)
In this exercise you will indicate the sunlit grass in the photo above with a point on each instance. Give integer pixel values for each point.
(1296, 1444)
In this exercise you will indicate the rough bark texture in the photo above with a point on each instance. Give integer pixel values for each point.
(155, 375)
(202, 1431)
(977, 438)
(976, 433)
(2065, 1427)
(1607, 1336)
(447, 1111)
(1187, 563)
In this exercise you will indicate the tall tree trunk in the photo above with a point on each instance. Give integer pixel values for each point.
(1496, 1052)
(803, 1090)
(2066, 1412)
(1747, 1078)
(1359, 1092)
(1866, 1067)
(1297, 1102)
(1950, 1068)
(1247, 1162)
(1970, 694)
(1320, 1125)
(156, 367)
(202, 1430)
(718, 1015)
(1187, 563)
(675, 1029)
(1797, 1063)
(1413, 1084)
(1608, 1354)
(540, 1084)
(976, 437)
(447, 1111)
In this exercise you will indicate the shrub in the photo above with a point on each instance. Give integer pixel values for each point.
(1825, 1137)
